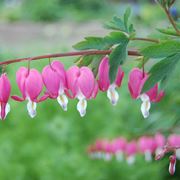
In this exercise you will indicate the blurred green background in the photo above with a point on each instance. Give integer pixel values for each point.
(53, 145)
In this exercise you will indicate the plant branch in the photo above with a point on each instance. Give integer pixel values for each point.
(80, 53)
(146, 39)
(166, 149)
(171, 20)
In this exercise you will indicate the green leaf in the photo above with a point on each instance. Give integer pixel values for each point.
(116, 24)
(168, 31)
(161, 70)
(126, 18)
(115, 38)
(116, 58)
(101, 43)
(90, 43)
(161, 50)
(85, 60)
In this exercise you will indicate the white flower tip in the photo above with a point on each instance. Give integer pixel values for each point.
(82, 113)
(145, 107)
(63, 101)
(112, 95)
(148, 156)
(130, 160)
(32, 114)
(7, 110)
(81, 107)
(31, 107)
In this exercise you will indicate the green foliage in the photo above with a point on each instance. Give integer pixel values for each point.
(161, 50)
(116, 58)
(121, 25)
(168, 31)
(101, 43)
(161, 70)
(166, 3)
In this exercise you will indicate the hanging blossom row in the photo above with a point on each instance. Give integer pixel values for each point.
(120, 148)
(76, 82)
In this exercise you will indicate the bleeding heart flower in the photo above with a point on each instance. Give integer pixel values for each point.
(104, 82)
(136, 82)
(5, 90)
(119, 146)
(172, 164)
(54, 78)
(30, 84)
(131, 150)
(160, 143)
(147, 146)
(81, 85)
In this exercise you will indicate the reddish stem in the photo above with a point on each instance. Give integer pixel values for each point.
(80, 53)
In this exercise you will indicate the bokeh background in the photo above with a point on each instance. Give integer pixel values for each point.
(53, 145)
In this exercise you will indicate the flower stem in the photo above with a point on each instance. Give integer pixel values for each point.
(171, 20)
(80, 53)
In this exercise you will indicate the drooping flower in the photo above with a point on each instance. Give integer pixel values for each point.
(172, 164)
(160, 143)
(30, 84)
(104, 82)
(107, 150)
(54, 78)
(147, 146)
(131, 150)
(5, 90)
(135, 84)
(119, 146)
(174, 141)
(81, 85)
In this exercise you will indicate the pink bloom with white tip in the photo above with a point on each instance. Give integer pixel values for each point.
(172, 164)
(160, 141)
(5, 90)
(104, 82)
(30, 84)
(131, 150)
(54, 78)
(119, 146)
(174, 141)
(135, 84)
(107, 149)
(147, 146)
(81, 85)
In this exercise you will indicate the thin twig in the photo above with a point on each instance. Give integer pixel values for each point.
(171, 20)
(80, 53)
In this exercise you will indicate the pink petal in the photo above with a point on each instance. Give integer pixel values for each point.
(152, 93)
(51, 80)
(131, 148)
(86, 82)
(3, 113)
(160, 96)
(5, 88)
(33, 84)
(17, 98)
(72, 77)
(95, 91)
(42, 98)
(136, 82)
(21, 76)
(119, 77)
(103, 74)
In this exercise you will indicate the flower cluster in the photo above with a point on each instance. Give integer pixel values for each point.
(121, 149)
(76, 82)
